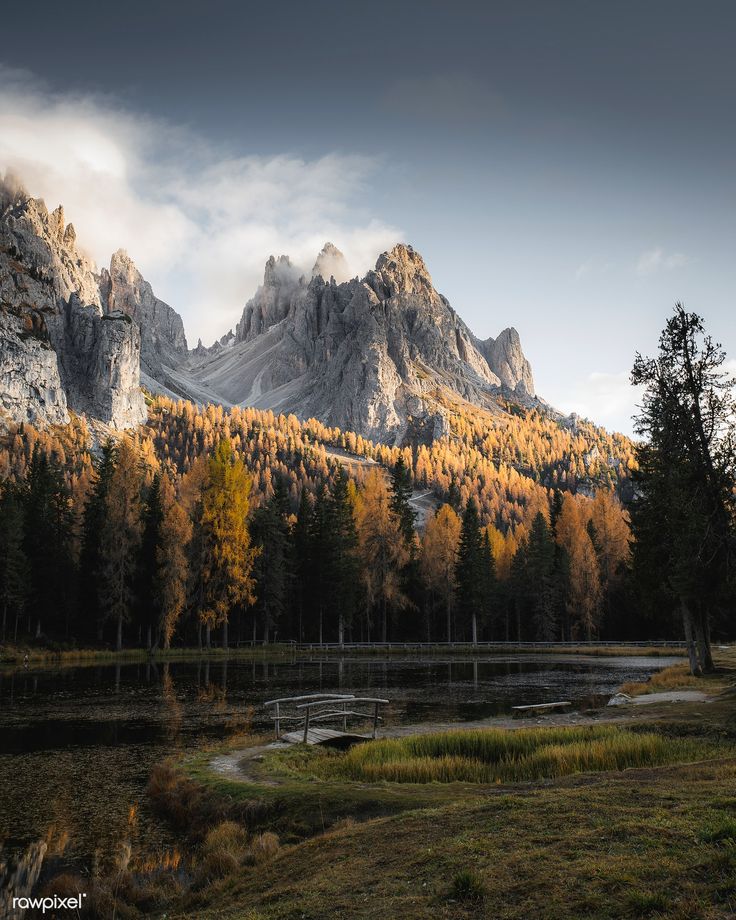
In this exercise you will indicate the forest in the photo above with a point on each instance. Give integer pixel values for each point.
(222, 527)
(240, 525)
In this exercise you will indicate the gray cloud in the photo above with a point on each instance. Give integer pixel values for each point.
(200, 225)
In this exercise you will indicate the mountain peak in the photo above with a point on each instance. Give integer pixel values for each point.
(402, 270)
(331, 263)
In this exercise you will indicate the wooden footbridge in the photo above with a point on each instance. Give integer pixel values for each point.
(307, 711)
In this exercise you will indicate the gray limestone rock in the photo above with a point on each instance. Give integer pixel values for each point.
(58, 350)
(373, 355)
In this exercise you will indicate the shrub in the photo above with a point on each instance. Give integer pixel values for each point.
(223, 849)
(467, 886)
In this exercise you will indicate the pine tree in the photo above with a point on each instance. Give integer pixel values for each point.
(439, 555)
(541, 581)
(90, 562)
(343, 566)
(13, 561)
(401, 492)
(383, 548)
(683, 518)
(48, 535)
(270, 532)
(228, 556)
(120, 538)
(583, 595)
(470, 572)
(172, 562)
(152, 518)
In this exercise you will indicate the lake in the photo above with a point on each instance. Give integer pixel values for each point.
(77, 743)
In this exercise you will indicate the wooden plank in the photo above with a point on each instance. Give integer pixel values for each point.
(319, 736)
(541, 707)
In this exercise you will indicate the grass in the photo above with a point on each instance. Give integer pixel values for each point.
(656, 840)
(597, 651)
(501, 756)
(15, 655)
(621, 846)
(675, 677)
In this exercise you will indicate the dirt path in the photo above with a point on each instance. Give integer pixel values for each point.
(237, 765)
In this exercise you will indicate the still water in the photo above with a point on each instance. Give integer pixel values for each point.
(77, 743)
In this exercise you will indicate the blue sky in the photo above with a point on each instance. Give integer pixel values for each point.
(564, 167)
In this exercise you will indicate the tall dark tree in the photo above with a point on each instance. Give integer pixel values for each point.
(470, 572)
(300, 550)
(270, 531)
(540, 579)
(90, 562)
(682, 519)
(401, 491)
(48, 546)
(146, 590)
(13, 561)
(343, 568)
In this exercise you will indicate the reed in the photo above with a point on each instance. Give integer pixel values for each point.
(496, 755)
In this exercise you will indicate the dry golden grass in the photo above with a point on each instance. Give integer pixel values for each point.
(675, 677)
(223, 849)
(490, 756)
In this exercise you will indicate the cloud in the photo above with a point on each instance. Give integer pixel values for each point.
(444, 97)
(654, 260)
(200, 222)
(609, 399)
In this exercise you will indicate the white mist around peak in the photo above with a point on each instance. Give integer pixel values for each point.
(199, 223)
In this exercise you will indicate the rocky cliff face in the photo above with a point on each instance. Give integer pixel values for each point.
(124, 289)
(58, 349)
(371, 355)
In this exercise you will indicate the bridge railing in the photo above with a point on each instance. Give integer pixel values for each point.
(323, 707)
(331, 646)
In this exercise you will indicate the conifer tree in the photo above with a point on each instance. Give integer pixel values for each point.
(270, 533)
(383, 548)
(439, 555)
(90, 561)
(541, 581)
(152, 518)
(401, 492)
(120, 538)
(172, 562)
(470, 572)
(13, 561)
(683, 518)
(343, 567)
(228, 555)
(48, 532)
(583, 595)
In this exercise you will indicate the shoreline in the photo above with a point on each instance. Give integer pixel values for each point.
(12, 656)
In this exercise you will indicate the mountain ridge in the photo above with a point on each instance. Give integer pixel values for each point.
(370, 354)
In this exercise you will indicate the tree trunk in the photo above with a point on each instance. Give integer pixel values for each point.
(688, 629)
(448, 611)
(149, 640)
(384, 624)
(199, 634)
(255, 625)
(475, 630)
(119, 639)
(5, 618)
(341, 630)
(705, 656)
(208, 636)
(320, 624)
(224, 634)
